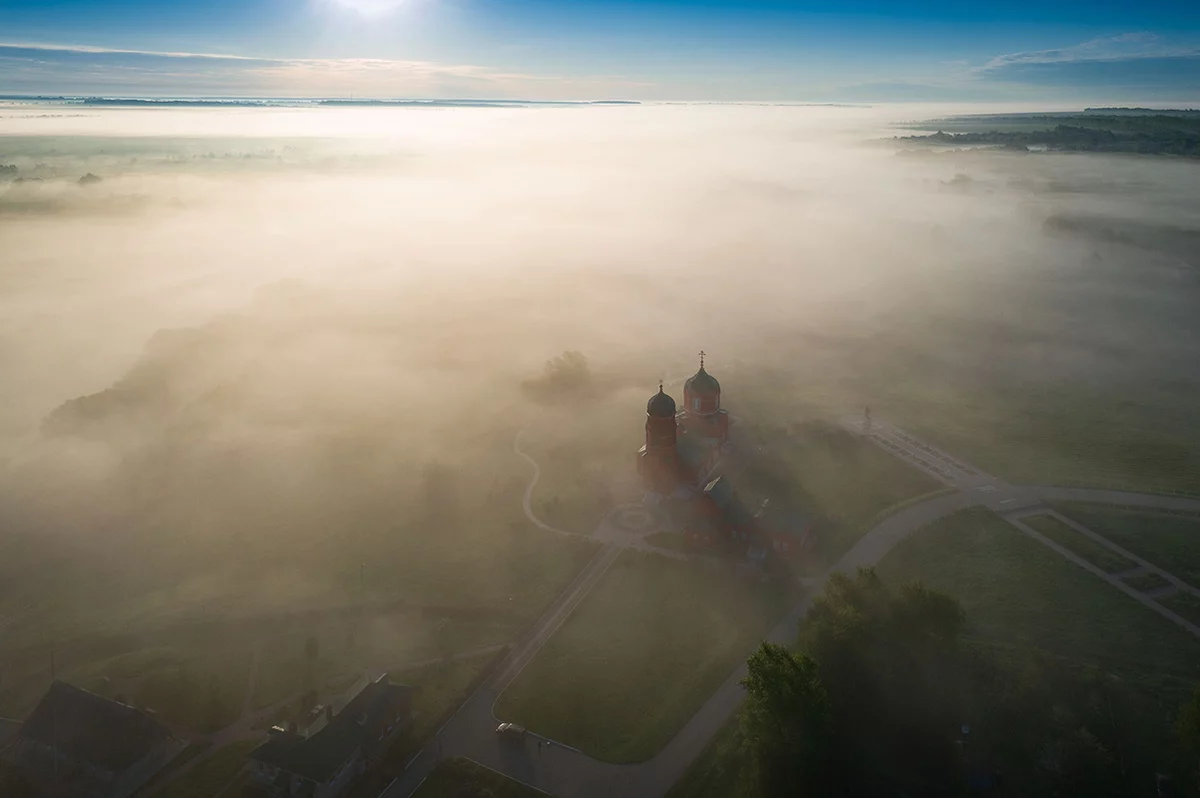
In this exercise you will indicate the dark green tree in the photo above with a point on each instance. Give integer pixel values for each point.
(562, 377)
(1188, 726)
(786, 725)
(887, 700)
(893, 672)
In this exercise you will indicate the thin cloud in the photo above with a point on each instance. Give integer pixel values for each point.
(1126, 47)
(1132, 67)
(70, 69)
(88, 49)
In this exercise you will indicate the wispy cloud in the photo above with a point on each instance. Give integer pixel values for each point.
(1126, 47)
(54, 68)
(1136, 65)
(30, 49)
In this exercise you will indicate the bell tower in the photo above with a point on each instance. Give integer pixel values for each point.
(658, 460)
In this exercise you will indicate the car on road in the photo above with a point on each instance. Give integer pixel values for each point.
(511, 730)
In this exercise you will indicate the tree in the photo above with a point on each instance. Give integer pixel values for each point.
(570, 369)
(894, 676)
(1076, 759)
(876, 705)
(1188, 726)
(562, 376)
(786, 724)
(927, 618)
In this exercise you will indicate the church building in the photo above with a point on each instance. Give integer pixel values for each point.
(681, 470)
(684, 446)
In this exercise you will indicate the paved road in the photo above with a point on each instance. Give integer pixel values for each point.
(471, 732)
(567, 773)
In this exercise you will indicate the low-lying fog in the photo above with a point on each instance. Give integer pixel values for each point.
(257, 330)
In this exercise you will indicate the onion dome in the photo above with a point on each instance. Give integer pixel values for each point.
(702, 384)
(661, 405)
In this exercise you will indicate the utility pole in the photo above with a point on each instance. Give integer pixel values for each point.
(53, 715)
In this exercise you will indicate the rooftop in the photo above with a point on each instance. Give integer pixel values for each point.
(89, 728)
(320, 757)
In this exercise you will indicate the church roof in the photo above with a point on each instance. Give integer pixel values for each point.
(720, 490)
(733, 510)
(661, 405)
(694, 450)
(702, 383)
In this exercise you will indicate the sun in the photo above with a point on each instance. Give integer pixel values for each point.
(370, 8)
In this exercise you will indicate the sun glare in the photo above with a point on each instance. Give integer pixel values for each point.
(370, 8)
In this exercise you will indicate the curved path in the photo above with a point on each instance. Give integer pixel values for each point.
(568, 773)
(527, 499)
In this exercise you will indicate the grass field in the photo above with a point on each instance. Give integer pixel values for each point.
(194, 672)
(643, 651)
(586, 457)
(385, 642)
(1171, 542)
(1075, 541)
(1053, 432)
(184, 684)
(1020, 595)
(1184, 604)
(441, 688)
(210, 776)
(205, 694)
(1025, 604)
(668, 540)
(440, 559)
(462, 778)
(1147, 582)
(839, 478)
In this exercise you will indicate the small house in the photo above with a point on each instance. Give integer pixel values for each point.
(323, 763)
(76, 744)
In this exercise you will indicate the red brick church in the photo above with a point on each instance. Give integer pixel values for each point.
(681, 470)
(683, 447)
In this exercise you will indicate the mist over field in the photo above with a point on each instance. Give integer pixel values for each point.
(271, 347)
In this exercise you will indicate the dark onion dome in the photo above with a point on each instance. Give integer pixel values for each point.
(702, 383)
(661, 405)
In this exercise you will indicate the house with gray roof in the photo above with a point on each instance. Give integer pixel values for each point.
(76, 744)
(323, 764)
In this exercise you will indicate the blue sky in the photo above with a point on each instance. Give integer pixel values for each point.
(772, 50)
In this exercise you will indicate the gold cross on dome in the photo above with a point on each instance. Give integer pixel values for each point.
(701, 358)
